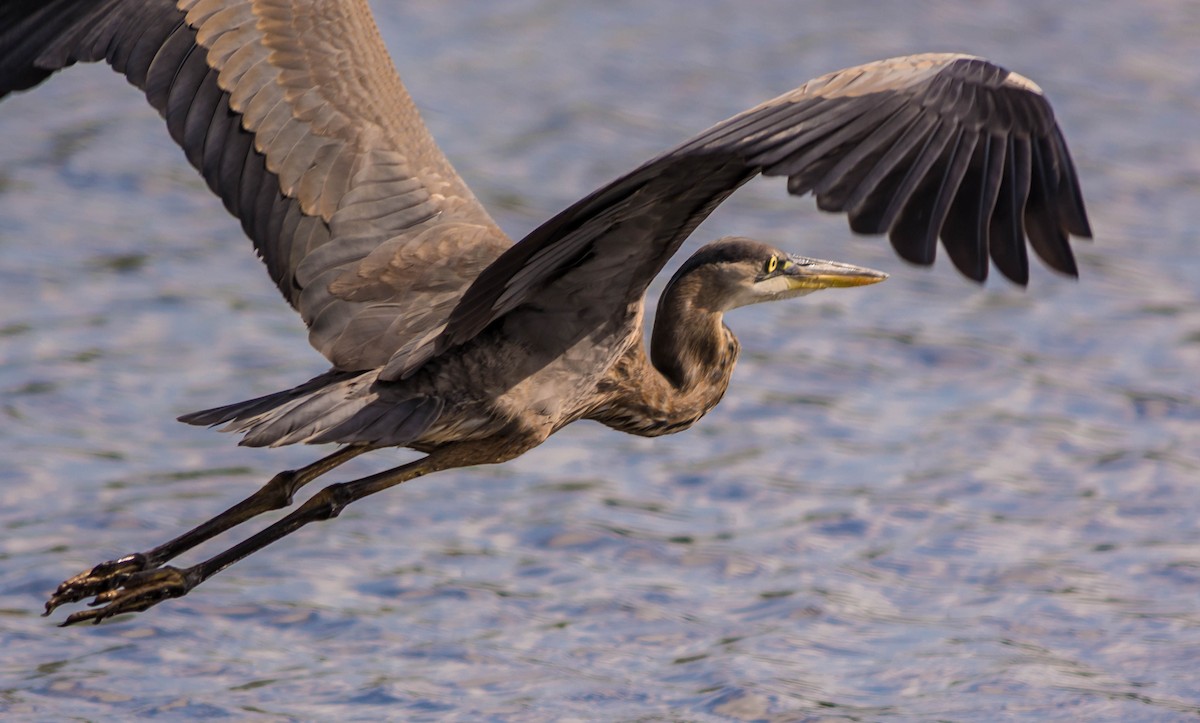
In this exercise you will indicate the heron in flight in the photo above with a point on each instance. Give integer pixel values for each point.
(446, 337)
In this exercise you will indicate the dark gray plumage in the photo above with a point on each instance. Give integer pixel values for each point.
(446, 337)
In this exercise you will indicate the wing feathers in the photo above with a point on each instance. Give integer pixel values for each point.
(1071, 206)
(877, 201)
(923, 218)
(286, 108)
(919, 148)
(1005, 233)
(965, 232)
(200, 117)
(1047, 234)
(853, 176)
(339, 185)
(916, 147)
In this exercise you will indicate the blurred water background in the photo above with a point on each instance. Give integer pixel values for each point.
(921, 500)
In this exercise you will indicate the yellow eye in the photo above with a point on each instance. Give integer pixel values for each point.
(772, 264)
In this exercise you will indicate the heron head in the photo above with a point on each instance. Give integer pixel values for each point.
(736, 271)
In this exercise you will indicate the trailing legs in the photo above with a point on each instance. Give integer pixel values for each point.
(142, 589)
(275, 494)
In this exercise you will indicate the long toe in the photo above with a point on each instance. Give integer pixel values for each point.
(101, 578)
(140, 591)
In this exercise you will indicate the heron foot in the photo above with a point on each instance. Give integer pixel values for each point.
(136, 592)
(100, 579)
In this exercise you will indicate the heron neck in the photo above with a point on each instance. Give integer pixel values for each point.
(691, 347)
(685, 375)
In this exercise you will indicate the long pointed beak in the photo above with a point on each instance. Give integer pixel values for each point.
(806, 273)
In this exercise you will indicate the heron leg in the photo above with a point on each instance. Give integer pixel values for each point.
(140, 590)
(274, 495)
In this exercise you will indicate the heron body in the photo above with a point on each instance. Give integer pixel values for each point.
(446, 337)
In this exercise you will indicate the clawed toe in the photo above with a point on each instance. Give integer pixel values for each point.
(137, 592)
(100, 579)
(119, 586)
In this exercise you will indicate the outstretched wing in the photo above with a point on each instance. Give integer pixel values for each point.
(294, 114)
(916, 147)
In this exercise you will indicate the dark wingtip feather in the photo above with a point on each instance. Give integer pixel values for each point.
(1006, 239)
(1071, 205)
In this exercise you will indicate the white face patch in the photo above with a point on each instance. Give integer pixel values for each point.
(778, 287)
(772, 289)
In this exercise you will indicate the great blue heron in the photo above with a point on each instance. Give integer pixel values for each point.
(447, 338)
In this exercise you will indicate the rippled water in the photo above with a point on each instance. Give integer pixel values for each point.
(919, 500)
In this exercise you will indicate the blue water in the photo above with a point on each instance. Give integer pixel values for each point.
(920, 500)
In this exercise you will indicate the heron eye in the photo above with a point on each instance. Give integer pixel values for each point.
(772, 264)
